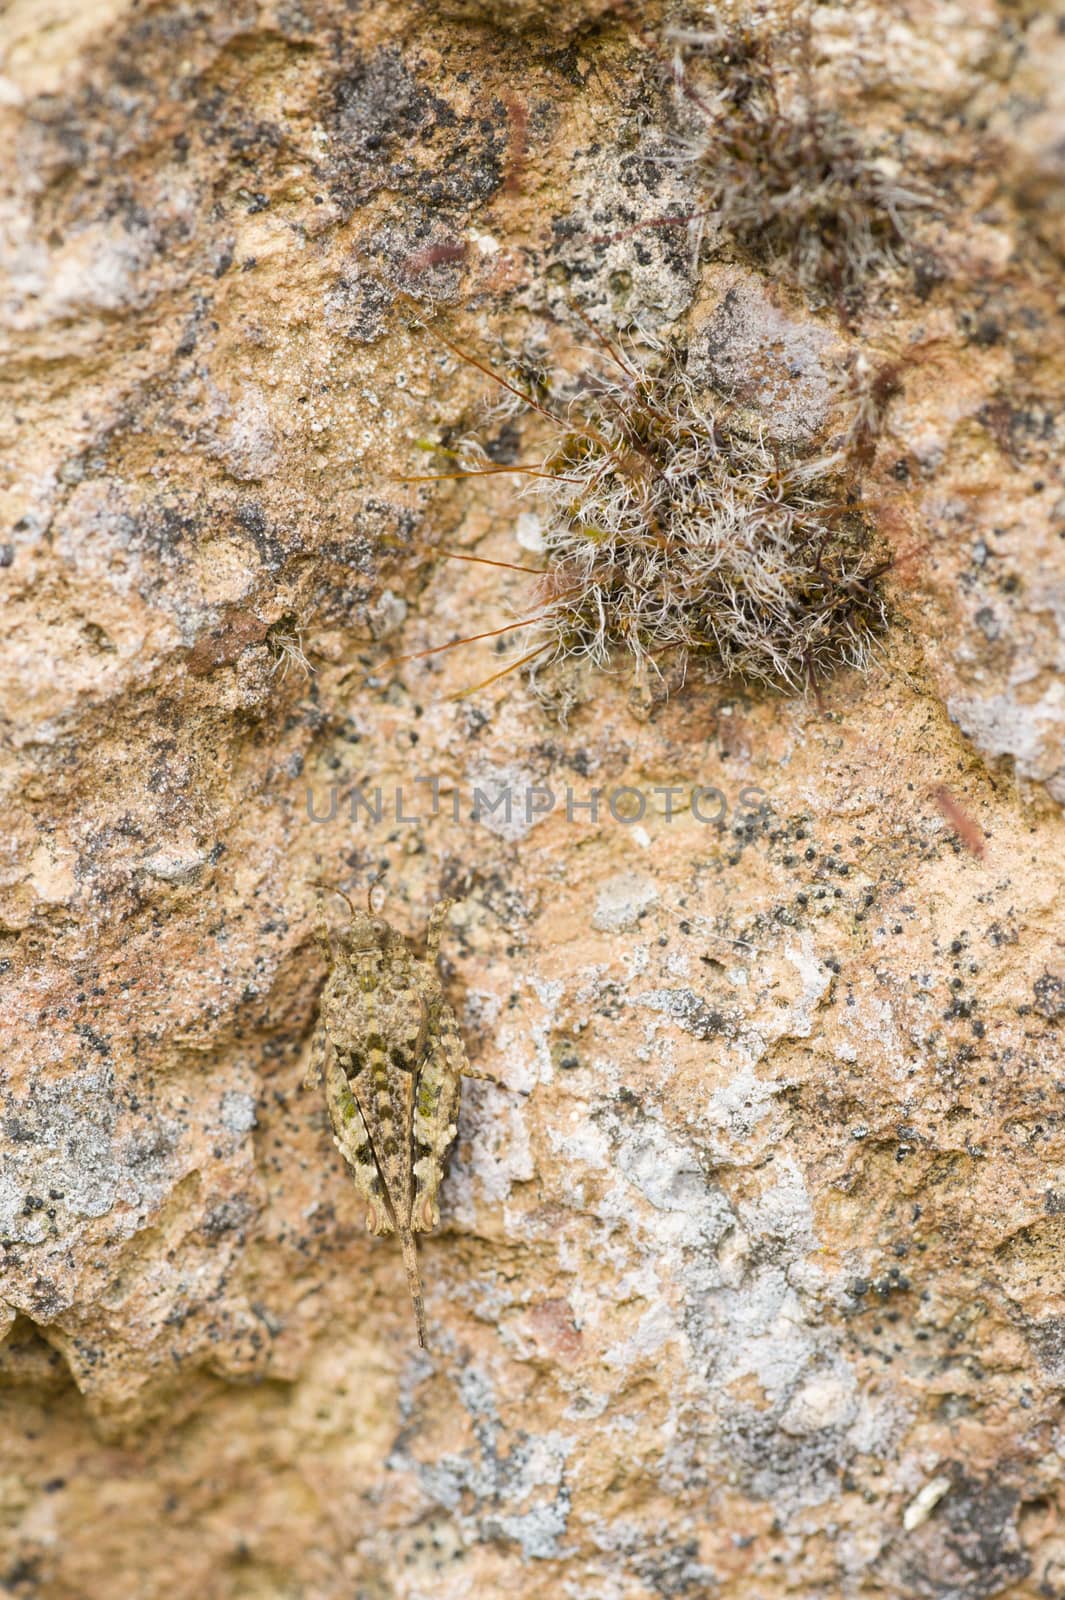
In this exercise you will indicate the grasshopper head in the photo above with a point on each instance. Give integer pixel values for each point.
(365, 933)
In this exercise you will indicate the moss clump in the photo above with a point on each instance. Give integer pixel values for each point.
(785, 177)
(674, 535)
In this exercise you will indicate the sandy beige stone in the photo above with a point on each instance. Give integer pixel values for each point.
(758, 1241)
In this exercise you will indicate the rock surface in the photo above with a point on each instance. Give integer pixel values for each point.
(750, 1279)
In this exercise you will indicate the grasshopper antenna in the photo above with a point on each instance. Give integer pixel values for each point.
(331, 888)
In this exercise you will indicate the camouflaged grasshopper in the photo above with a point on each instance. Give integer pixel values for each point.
(393, 1058)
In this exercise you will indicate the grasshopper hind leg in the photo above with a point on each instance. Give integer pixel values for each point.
(354, 1143)
(436, 1104)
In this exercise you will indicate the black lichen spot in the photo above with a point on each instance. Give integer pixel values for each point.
(691, 1012)
(1050, 996)
(971, 1546)
(675, 1570)
(161, 530)
(251, 520)
(1048, 1341)
(390, 132)
(95, 1041)
(363, 305)
(376, 107)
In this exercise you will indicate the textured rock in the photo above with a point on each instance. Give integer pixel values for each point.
(750, 1278)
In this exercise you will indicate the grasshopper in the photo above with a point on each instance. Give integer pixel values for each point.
(393, 1059)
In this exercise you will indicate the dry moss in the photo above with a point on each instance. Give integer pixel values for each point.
(673, 535)
(779, 172)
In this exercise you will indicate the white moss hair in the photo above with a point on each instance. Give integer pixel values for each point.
(285, 643)
(670, 534)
